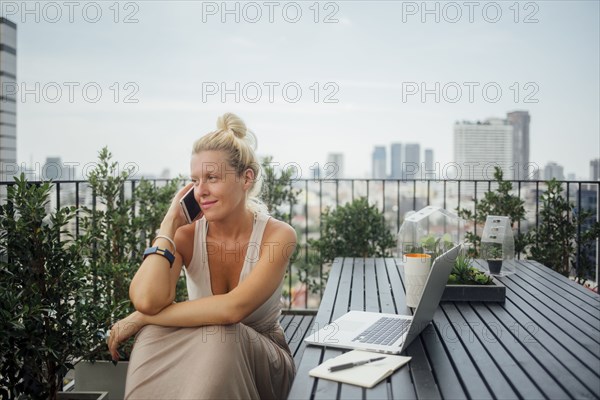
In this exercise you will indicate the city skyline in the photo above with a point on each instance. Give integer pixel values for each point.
(365, 78)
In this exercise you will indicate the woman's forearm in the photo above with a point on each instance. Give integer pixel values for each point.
(152, 287)
(211, 310)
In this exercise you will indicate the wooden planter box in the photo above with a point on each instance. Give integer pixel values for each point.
(493, 293)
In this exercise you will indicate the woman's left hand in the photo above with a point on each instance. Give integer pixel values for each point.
(123, 330)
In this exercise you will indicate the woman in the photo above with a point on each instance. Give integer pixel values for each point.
(226, 341)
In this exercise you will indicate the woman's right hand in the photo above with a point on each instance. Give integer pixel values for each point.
(174, 216)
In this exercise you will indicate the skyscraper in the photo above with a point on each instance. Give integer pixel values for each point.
(8, 102)
(520, 122)
(412, 160)
(396, 155)
(429, 171)
(595, 170)
(481, 146)
(334, 167)
(553, 170)
(379, 163)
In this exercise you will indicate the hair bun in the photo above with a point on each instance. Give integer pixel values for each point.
(233, 123)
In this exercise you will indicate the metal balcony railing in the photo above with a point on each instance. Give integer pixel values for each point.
(394, 198)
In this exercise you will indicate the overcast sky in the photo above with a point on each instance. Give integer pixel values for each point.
(310, 78)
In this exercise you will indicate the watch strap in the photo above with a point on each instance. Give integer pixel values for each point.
(162, 252)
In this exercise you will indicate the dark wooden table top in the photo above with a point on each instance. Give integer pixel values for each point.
(542, 342)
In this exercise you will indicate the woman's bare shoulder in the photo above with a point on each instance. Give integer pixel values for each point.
(279, 229)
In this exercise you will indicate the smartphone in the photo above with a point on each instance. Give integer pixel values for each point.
(190, 206)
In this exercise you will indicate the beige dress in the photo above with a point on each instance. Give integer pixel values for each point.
(249, 360)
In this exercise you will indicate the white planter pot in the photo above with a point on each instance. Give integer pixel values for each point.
(102, 376)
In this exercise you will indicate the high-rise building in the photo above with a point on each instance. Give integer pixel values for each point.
(429, 171)
(396, 156)
(481, 146)
(334, 167)
(520, 123)
(412, 161)
(553, 170)
(595, 170)
(54, 169)
(379, 163)
(8, 101)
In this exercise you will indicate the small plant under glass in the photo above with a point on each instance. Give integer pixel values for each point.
(493, 256)
(497, 245)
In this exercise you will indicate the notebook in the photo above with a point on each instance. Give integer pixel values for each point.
(352, 330)
(367, 375)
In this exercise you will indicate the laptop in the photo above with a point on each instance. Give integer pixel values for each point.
(389, 333)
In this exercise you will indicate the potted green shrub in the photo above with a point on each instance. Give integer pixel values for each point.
(502, 202)
(116, 230)
(45, 294)
(356, 229)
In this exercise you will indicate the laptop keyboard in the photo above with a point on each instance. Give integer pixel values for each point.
(384, 331)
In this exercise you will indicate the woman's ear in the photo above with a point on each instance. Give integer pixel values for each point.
(248, 178)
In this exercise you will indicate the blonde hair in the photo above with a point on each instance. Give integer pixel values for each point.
(239, 143)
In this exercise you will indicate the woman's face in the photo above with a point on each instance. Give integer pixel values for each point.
(217, 187)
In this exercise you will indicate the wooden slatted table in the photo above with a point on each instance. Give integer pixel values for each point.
(543, 342)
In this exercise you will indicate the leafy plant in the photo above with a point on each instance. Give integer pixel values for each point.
(556, 238)
(491, 251)
(499, 202)
(111, 246)
(308, 264)
(434, 245)
(45, 294)
(356, 229)
(115, 234)
(463, 273)
(277, 190)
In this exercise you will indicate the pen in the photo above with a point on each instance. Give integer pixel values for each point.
(353, 364)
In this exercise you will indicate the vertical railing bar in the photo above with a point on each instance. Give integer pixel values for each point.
(458, 194)
(383, 191)
(414, 195)
(475, 207)
(398, 205)
(57, 187)
(444, 202)
(320, 235)
(305, 242)
(77, 209)
(579, 221)
(290, 261)
(598, 221)
(94, 244)
(537, 209)
(133, 200)
(428, 192)
(519, 221)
